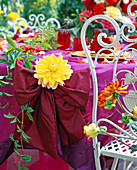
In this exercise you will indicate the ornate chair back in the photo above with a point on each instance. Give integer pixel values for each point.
(128, 136)
(35, 22)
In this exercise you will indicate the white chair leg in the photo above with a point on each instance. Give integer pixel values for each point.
(124, 164)
(96, 154)
(114, 165)
(129, 166)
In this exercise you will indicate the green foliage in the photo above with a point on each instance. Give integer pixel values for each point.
(125, 118)
(77, 25)
(13, 53)
(47, 38)
(29, 110)
(66, 8)
(116, 95)
(134, 125)
(109, 104)
(39, 7)
(9, 58)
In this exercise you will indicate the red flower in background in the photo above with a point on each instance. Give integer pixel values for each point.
(111, 2)
(87, 14)
(99, 8)
(89, 4)
(94, 46)
(32, 49)
(134, 8)
(124, 6)
(16, 35)
(107, 24)
(135, 24)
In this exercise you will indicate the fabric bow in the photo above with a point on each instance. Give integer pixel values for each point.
(58, 109)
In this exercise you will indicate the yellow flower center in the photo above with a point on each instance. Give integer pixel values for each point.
(52, 71)
(53, 67)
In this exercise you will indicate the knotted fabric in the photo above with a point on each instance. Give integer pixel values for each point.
(58, 109)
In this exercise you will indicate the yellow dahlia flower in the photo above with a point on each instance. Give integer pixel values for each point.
(51, 71)
(13, 16)
(91, 130)
(113, 12)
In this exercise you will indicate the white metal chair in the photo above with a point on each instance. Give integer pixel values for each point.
(129, 136)
(35, 22)
(54, 22)
(21, 23)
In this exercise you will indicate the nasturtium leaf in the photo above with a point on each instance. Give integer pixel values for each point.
(109, 104)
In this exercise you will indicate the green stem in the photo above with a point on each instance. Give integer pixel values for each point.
(117, 110)
(119, 102)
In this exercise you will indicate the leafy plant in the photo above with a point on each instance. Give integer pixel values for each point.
(15, 52)
(9, 58)
(47, 38)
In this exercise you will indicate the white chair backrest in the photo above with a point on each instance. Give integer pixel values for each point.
(20, 23)
(36, 22)
(54, 22)
(129, 78)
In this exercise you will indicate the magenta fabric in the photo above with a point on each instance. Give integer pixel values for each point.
(80, 154)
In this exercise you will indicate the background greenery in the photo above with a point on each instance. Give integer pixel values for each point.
(59, 9)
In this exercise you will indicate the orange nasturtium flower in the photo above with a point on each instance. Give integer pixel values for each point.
(111, 93)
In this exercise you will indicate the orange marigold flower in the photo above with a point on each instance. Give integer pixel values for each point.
(99, 8)
(108, 92)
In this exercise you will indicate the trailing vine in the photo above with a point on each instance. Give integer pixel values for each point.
(9, 58)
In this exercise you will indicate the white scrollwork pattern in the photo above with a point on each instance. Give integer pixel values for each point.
(18, 22)
(36, 21)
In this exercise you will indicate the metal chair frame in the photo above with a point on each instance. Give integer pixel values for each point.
(114, 148)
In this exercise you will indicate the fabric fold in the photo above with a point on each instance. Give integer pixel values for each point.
(59, 108)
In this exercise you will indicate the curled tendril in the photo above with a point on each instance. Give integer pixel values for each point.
(37, 20)
(132, 15)
(131, 29)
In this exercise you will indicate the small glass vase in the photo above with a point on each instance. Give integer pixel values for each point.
(63, 38)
